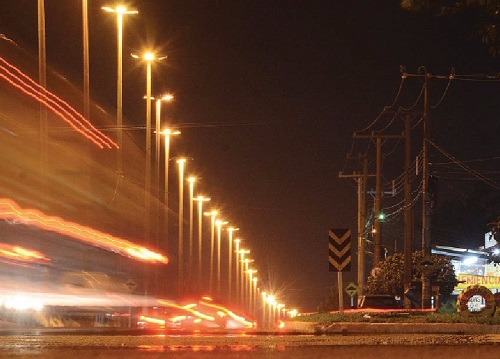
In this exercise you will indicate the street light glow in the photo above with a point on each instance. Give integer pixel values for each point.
(119, 9)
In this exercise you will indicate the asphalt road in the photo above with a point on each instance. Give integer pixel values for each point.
(250, 346)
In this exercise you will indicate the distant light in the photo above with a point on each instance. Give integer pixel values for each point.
(470, 260)
(496, 251)
(149, 56)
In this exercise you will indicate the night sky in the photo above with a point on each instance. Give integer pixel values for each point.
(268, 95)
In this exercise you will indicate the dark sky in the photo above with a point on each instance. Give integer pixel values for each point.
(268, 94)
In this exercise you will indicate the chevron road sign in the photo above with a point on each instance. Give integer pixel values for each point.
(339, 246)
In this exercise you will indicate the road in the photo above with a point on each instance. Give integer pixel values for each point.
(161, 345)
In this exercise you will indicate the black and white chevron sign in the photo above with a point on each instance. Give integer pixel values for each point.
(339, 246)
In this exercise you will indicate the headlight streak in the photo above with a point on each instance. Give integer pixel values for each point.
(31, 217)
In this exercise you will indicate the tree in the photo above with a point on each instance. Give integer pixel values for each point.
(388, 278)
(486, 15)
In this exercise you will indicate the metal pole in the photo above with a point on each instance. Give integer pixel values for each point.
(147, 184)
(42, 76)
(341, 292)
(119, 92)
(191, 212)
(200, 242)
(167, 159)
(219, 229)
(86, 72)
(212, 245)
(181, 234)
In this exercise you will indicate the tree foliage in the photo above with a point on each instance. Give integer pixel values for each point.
(486, 14)
(389, 278)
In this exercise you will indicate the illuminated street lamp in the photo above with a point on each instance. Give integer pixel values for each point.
(191, 180)
(219, 223)
(237, 242)
(181, 162)
(242, 263)
(212, 215)
(200, 200)
(119, 10)
(158, 133)
(280, 307)
(250, 272)
(264, 297)
(148, 57)
(167, 133)
(254, 295)
(230, 231)
(271, 300)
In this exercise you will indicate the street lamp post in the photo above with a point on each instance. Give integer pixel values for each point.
(158, 133)
(167, 133)
(237, 242)
(271, 300)
(230, 262)
(250, 273)
(219, 223)
(263, 296)
(212, 215)
(119, 10)
(181, 162)
(254, 295)
(191, 180)
(148, 57)
(200, 200)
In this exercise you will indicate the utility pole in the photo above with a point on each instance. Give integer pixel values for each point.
(361, 180)
(378, 193)
(426, 208)
(407, 247)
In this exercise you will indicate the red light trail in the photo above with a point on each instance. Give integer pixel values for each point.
(25, 84)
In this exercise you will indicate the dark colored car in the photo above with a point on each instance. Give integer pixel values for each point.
(379, 301)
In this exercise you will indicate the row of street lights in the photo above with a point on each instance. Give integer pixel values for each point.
(245, 280)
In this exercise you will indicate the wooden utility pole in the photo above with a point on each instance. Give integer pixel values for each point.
(378, 194)
(426, 208)
(361, 180)
(407, 247)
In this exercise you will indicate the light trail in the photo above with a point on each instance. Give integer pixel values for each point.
(22, 254)
(61, 108)
(12, 211)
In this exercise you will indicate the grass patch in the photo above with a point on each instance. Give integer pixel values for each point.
(407, 317)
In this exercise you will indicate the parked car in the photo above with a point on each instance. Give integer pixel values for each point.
(379, 301)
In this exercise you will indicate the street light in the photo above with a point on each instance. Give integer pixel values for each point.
(254, 295)
(230, 230)
(158, 133)
(219, 223)
(148, 57)
(200, 199)
(271, 300)
(191, 180)
(119, 10)
(250, 272)
(237, 242)
(242, 254)
(263, 295)
(167, 133)
(181, 162)
(212, 215)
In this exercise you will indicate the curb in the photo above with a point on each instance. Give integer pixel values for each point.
(391, 328)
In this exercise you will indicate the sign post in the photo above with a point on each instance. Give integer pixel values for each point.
(352, 290)
(339, 246)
